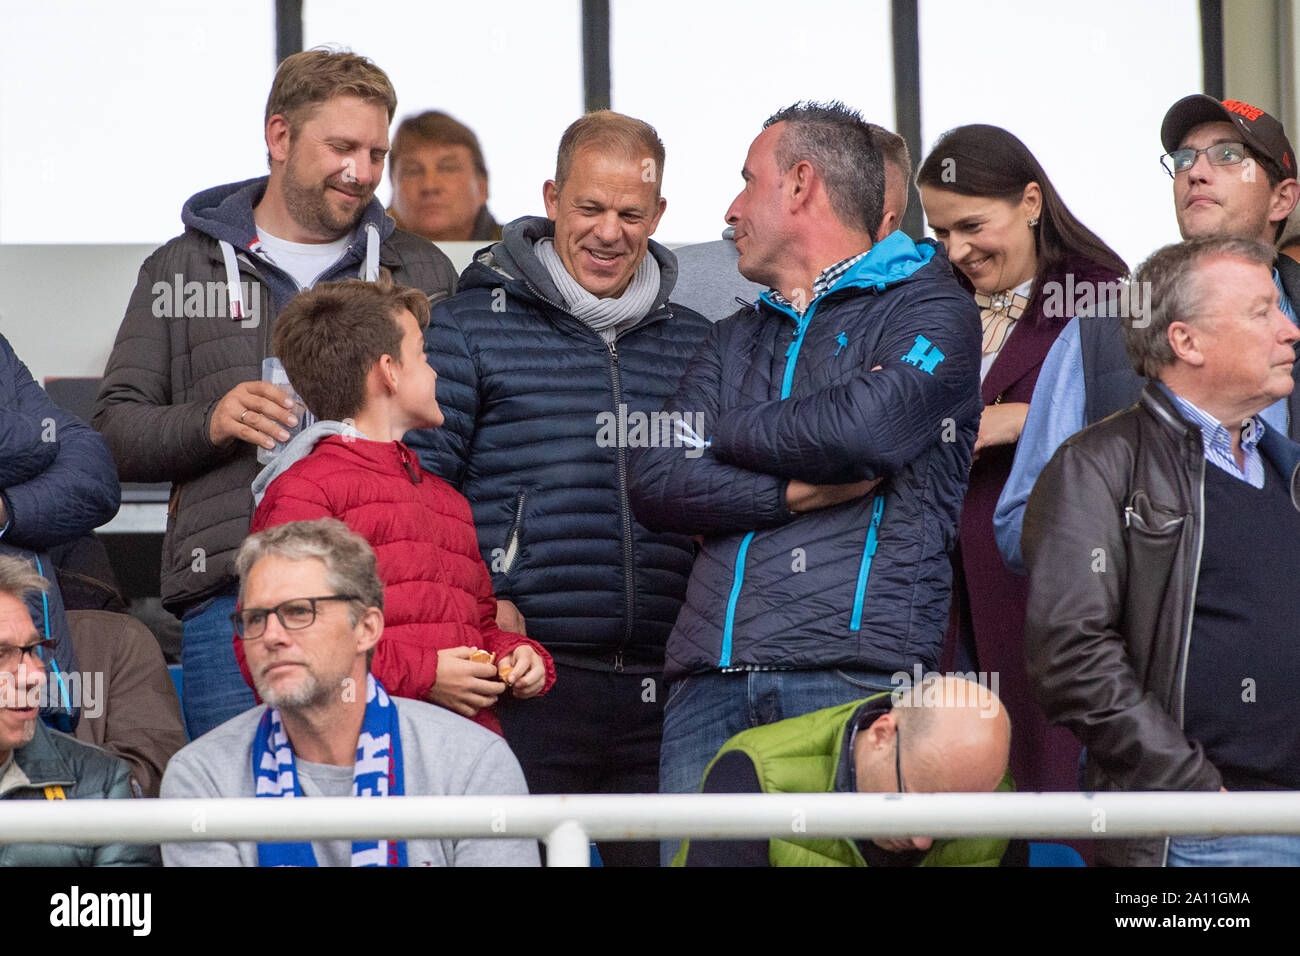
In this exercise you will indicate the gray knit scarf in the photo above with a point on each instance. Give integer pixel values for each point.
(606, 317)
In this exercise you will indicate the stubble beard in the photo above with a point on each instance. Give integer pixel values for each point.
(306, 693)
(310, 209)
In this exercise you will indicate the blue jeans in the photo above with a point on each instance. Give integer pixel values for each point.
(214, 691)
(704, 711)
(1240, 850)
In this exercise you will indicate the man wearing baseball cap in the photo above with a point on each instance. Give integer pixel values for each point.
(1233, 172)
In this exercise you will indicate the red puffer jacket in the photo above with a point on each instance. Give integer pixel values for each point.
(437, 593)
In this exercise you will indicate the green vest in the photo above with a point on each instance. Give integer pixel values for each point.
(802, 755)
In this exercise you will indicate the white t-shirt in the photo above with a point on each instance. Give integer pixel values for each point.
(304, 261)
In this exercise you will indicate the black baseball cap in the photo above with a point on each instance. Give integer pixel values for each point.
(1260, 131)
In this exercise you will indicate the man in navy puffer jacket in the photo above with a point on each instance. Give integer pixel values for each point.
(57, 483)
(841, 412)
(550, 361)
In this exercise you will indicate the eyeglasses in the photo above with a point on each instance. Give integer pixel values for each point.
(11, 655)
(898, 757)
(1220, 154)
(294, 614)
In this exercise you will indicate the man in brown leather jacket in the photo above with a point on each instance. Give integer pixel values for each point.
(1160, 545)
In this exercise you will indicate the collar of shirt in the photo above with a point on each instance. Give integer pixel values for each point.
(1283, 302)
(828, 277)
(846, 780)
(1217, 443)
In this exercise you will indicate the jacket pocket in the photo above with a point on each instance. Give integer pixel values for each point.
(864, 566)
(1147, 521)
(1153, 541)
(510, 550)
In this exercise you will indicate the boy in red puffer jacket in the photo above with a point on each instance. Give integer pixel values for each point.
(354, 351)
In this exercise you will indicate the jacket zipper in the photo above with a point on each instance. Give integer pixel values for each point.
(625, 516)
(738, 569)
(512, 539)
(864, 567)
(405, 456)
(1191, 613)
(624, 505)
(264, 290)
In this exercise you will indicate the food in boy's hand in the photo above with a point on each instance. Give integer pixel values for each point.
(505, 673)
(480, 656)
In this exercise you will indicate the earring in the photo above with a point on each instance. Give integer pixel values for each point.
(1033, 222)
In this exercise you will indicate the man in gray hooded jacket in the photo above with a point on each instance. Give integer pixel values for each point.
(187, 395)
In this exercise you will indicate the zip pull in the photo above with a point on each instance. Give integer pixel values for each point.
(406, 463)
(618, 661)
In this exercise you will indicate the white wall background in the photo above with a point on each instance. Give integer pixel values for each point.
(111, 115)
(1085, 86)
(707, 75)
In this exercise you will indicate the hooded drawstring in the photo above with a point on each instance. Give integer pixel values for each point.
(372, 253)
(234, 292)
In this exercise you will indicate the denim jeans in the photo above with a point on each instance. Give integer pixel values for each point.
(704, 711)
(1240, 850)
(215, 691)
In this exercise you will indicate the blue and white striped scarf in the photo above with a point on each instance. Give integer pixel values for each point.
(378, 773)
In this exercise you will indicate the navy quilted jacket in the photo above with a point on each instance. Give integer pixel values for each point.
(58, 482)
(56, 475)
(533, 401)
(861, 585)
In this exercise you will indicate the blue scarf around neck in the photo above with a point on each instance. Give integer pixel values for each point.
(378, 773)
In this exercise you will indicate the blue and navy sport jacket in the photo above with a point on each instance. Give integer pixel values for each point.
(537, 411)
(862, 585)
(58, 482)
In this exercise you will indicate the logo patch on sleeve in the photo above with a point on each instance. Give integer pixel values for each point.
(924, 355)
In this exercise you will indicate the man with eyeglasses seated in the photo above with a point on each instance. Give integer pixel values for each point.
(37, 763)
(1233, 172)
(945, 735)
(311, 613)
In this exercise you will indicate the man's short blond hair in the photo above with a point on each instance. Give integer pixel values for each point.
(615, 133)
(307, 79)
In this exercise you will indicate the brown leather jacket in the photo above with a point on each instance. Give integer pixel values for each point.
(1112, 540)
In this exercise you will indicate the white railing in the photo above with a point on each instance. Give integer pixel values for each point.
(566, 823)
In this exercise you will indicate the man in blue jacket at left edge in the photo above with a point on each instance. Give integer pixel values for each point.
(840, 415)
(57, 483)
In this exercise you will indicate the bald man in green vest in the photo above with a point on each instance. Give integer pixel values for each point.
(945, 735)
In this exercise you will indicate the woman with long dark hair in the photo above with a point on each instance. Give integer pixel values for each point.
(1024, 256)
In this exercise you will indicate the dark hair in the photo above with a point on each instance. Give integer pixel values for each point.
(840, 146)
(440, 129)
(610, 132)
(1176, 293)
(988, 161)
(1275, 176)
(329, 336)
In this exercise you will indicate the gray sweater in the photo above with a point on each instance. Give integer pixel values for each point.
(443, 754)
(709, 280)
